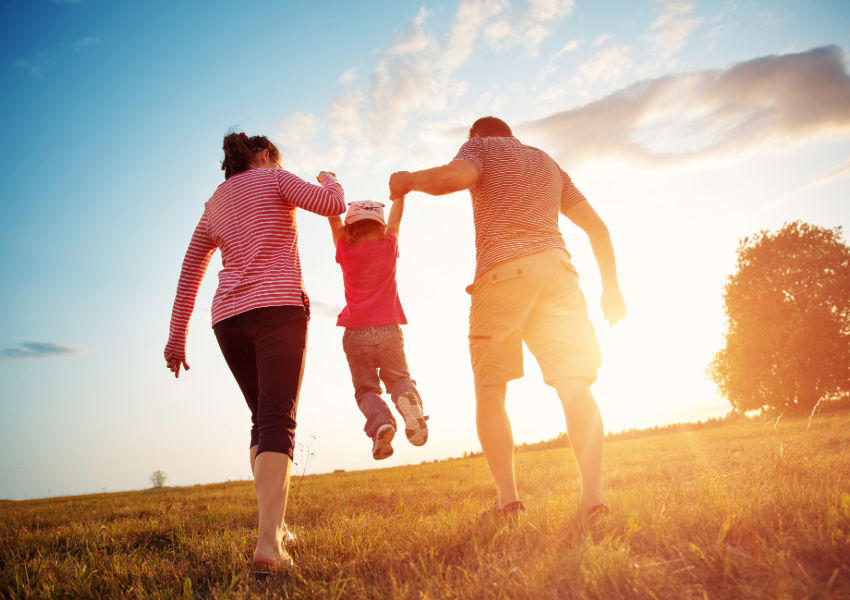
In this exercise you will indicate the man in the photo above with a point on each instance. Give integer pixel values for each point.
(527, 290)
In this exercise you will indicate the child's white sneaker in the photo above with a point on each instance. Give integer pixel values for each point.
(382, 442)
(414, 421)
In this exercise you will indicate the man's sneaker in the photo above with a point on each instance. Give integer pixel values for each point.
(382, 442)
(414, 421)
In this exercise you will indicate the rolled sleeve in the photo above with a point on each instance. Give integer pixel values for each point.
(472, 152)
(570, 194)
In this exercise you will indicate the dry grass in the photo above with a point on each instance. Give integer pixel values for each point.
(743, 511)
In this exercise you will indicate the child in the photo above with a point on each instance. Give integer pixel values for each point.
(367, 249)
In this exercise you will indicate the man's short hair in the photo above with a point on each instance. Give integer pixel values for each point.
(489, 127)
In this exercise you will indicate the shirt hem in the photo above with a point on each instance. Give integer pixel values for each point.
(246, 309)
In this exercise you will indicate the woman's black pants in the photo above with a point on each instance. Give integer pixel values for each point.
(265, 350)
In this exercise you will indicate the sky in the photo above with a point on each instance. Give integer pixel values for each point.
(688, 125)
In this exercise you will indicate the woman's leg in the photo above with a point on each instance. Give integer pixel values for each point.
(280, 342)
(271, 481)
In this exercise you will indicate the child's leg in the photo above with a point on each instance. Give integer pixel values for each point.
(396, 378)
(363, 363)
(393, 364)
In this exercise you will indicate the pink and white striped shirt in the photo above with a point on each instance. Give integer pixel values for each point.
(251, 218)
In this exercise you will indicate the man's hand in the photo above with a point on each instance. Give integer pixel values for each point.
(319, 176)
(174, 364)
(456, 176)
(400, 184)
(613, 306)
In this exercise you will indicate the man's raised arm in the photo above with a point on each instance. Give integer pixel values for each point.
(456, 176)
(613, 304)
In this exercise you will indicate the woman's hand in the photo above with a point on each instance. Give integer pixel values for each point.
(319, 176)
(174, 364)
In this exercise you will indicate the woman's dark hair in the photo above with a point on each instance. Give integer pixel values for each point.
(239, 151)
(490, 127)
(355, 232)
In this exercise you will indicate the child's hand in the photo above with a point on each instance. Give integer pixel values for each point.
(319, 176)
(398, 198)
(399, 184)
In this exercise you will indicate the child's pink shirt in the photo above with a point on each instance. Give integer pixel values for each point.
(368, 271)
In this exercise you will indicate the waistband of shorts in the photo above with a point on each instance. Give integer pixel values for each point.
(393, 327)
(533, 256)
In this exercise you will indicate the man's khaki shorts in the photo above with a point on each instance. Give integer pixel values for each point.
(533, 299)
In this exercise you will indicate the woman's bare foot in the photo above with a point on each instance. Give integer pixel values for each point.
(273, 559)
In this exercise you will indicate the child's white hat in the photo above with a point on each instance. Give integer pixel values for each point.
(365, 209)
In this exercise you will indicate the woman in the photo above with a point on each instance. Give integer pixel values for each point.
(260, 310)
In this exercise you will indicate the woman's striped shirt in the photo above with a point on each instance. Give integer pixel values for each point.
(516, 200)
(251, 218)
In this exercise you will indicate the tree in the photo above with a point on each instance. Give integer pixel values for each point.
(159, 479)
(788, 311)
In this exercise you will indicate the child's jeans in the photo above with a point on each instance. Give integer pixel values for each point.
(376, 354)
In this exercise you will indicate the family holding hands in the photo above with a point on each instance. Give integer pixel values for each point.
(525, 290)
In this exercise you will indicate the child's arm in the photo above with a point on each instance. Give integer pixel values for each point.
(396, 212)
(336, 228)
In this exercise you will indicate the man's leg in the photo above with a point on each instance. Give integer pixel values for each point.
(584, 426)
(496, 437)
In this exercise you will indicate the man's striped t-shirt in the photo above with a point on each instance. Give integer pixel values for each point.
(516, 200)
(251, 218)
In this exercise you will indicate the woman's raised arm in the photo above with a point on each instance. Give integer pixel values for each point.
(327, 200)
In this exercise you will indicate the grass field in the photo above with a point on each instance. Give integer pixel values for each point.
(752, 510)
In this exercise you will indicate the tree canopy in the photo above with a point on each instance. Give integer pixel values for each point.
(787, 343)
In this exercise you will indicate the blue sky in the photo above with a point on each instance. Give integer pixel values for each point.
(112, 142)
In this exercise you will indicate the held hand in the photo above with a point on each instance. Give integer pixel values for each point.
(319, 176)
(174, 364)
(613, 306)
(400, 184)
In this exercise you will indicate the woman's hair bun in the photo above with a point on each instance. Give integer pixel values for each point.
(239, 151)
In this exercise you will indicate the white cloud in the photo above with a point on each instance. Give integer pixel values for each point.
(671, 30)
(608, 63)
(469, 20)
(707, 115)
(768, 19)
(568, 47)
(550, 65)
(86, 42)
(834, 173)
(349, 77)
(532, 29)
(415, 76)
(37, 350)
(600, 40)
(325, 309)
(297, 134)
(34, 70)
